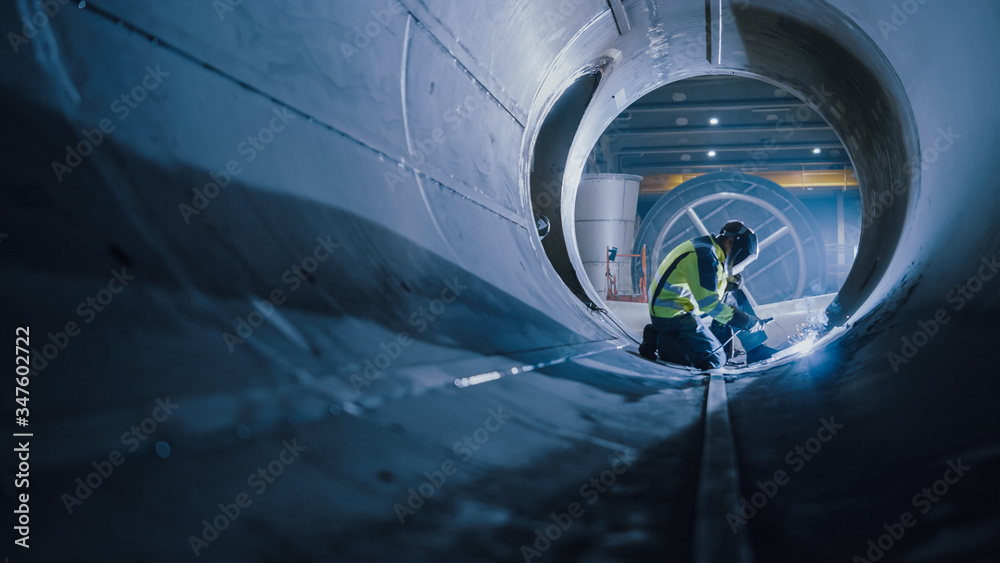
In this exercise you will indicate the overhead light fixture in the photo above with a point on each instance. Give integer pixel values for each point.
(817, 151)
(711, 153)
(714, 121)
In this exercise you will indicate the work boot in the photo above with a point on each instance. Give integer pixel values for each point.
(648, 347)
(760, 353)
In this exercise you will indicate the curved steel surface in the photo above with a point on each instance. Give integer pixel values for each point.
(286, 300)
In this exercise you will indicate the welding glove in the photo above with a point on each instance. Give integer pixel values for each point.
(745, 321)
(757, 324)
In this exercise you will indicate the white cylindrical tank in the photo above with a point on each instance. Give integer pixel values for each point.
(605, 217)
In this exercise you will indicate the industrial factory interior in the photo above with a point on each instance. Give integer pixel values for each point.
(366, 281)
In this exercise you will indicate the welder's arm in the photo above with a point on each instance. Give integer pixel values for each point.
(741, 320)
(700, 271)
(746, 321)
(741, 317)
(733, 283)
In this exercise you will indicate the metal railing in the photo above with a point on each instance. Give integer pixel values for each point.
(614, 292)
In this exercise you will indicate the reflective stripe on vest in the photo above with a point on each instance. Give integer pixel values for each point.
(655, 300)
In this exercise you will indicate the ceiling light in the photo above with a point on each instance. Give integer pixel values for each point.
(817, 151)
(711, 153)
(714, 121)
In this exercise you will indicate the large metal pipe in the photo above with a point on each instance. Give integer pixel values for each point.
(309, 225)
(605, 218)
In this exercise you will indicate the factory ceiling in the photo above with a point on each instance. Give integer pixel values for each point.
(720, 123)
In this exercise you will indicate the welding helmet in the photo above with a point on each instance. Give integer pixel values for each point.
(744, 250)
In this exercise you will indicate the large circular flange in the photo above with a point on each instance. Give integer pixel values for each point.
(792, 261)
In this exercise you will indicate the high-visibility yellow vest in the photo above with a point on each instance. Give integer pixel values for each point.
(691, 279)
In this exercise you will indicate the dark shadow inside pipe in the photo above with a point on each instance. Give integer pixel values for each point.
(555, 138)
(817, 53)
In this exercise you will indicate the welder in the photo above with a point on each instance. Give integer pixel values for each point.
(702, 277)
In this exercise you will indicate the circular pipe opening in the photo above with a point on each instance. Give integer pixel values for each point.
(806, 48)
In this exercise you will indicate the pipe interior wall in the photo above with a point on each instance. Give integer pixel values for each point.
(311, 224)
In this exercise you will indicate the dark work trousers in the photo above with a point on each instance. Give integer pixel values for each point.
(685, 340)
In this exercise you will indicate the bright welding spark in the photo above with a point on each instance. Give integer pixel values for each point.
(808, 344)
(803, 341)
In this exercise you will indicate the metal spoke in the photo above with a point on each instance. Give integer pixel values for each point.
(697, 221)
(773, 238)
